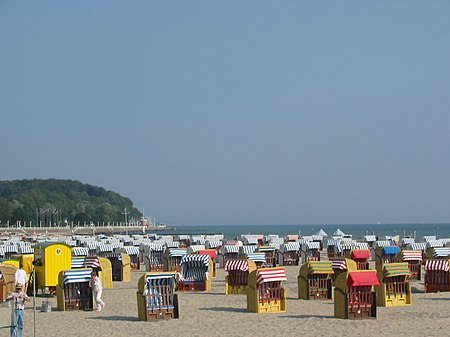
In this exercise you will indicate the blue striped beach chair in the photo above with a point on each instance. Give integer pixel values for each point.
(156, 298)
(194, 275)
(74, 290)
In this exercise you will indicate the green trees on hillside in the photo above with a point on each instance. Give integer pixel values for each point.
(75, 201)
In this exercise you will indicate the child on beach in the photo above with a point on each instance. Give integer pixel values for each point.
(18, 307)
(97, 289)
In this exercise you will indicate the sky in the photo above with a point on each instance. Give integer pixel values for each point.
(234, 112)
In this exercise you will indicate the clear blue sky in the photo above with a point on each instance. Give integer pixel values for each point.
(234, 112)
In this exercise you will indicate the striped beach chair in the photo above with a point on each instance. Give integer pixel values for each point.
(290, 254)
(354, 297)
(315, 280)
(154, 257)
(414, 259)
(394, 288)
(310, 251)
(237, 279)
(265, 293)
(437, 276)
(172, 258)
(194, 274)
(156, 298)
(74, 290)
(133, 253)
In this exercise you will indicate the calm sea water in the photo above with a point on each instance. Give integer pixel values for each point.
(357, 231)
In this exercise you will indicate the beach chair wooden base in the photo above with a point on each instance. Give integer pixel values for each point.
(319, 288)
(437, 281)
(235, 290)
(191, 286)
(156, 267)
(361, 305)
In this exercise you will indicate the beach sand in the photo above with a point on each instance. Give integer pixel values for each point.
(215, 314)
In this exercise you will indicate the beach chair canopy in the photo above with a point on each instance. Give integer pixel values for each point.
(77, 262)
(422, 246)
(249, 249)
(396, 269)
(177, 252)
(367, 278)
(73, 276)
(339, 264)
(412, 255)
(236, 265)
(270, 275)
(311, 246)
(195, 260)
(370, 238)
(80, 251)
(441, 252)
(290, 247)
(26, 250)
(227, 249)
(436, 265)
(391, 250)
(91, 262)
(211, 253)
(360, 254)
(257, 257)
(320, 267)
(130, 250)
(435, 243)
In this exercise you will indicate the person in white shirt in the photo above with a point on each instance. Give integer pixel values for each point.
(20, 276)
(97, 289)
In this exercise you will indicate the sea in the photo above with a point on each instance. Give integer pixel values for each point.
(357, 231)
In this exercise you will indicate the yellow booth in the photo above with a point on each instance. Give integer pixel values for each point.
(103, 267)
(394, 288)
(354, 297)
(237, 279)
(50, 259)
(121, 266)
(315, 280)
(7, 283)
(264, 292)
(194, 275)
(156, 298)
(74, 290)
(26, 260)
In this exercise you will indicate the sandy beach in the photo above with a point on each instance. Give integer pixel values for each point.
(215, 314)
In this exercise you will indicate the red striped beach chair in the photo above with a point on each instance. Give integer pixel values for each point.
(437, 277)
(265, 293)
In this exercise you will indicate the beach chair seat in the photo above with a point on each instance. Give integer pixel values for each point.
(394, 288)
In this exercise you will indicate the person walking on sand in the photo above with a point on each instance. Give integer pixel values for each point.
(97, 289)
(17, 310)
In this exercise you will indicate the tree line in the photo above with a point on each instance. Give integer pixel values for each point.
(30, 199)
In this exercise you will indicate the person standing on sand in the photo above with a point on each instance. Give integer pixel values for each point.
(97, 289)
(17, 310)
